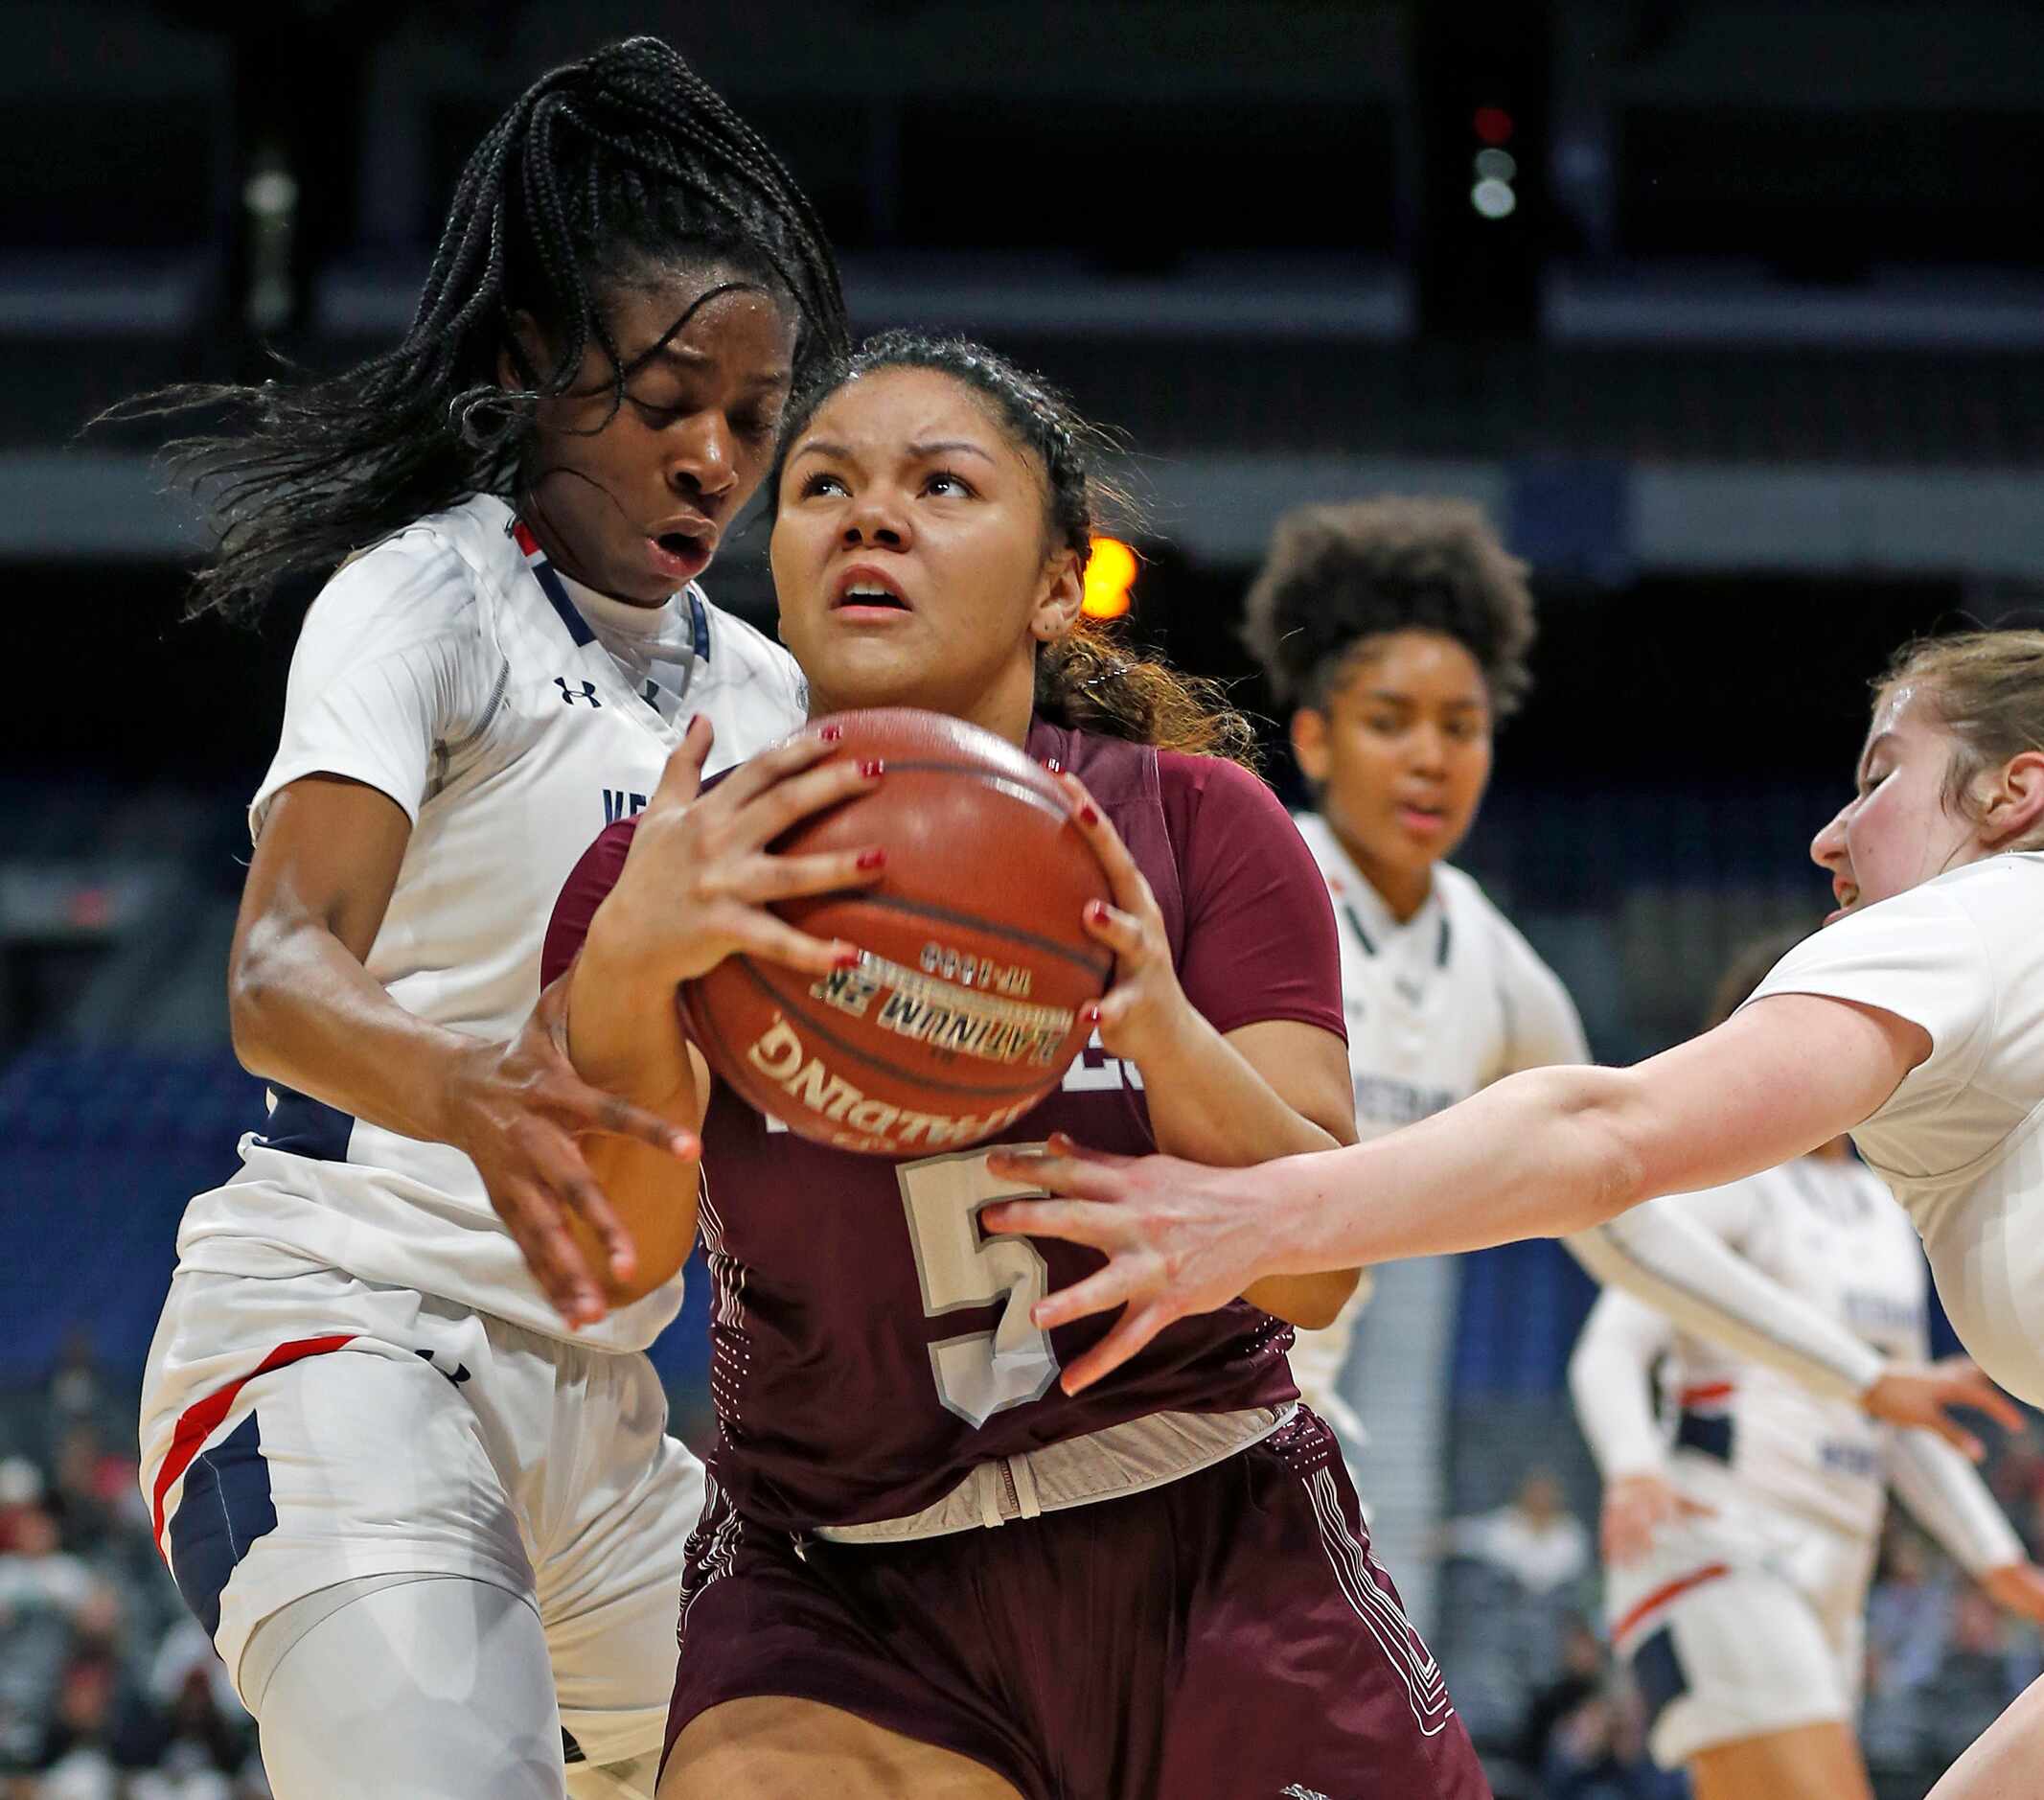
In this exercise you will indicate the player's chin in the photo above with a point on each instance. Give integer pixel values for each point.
(868, 670)
(1395, 849)
(626, 577)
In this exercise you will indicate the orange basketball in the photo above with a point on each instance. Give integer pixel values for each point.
(964, 1009)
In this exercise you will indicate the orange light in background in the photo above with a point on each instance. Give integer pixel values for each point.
(1110, 575)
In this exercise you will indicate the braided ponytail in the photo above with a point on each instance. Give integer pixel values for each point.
(601, 169)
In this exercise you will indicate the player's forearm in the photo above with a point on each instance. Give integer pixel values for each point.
(1950, 1501)
(1608, 1381)
(305, 1013)
(1708, 1289)
(624, 1035)
(624, 1032)
(1536, 1155)
(1208, 1104)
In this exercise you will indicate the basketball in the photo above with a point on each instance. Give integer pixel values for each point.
(963, 1011)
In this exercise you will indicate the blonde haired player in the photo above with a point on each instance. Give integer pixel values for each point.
(1915, 1021)
(1741, 1528)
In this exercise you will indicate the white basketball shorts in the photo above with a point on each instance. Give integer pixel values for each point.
(1741, 1624)
(312, 1428)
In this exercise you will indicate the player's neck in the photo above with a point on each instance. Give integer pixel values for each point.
(1403, 890)
(1006, 704)
(533, 514)
(1005, 709)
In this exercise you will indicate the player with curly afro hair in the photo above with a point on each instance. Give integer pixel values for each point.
(1396, 631)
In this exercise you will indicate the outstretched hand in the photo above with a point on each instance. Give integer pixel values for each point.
(1178, 1238)
(1924, 1393)
(519, 1111)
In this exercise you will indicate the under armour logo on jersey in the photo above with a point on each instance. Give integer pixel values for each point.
(570, 695)
(440, 1360)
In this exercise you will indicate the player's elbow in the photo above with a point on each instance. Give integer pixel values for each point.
(1310, 1302)
(259, 990)
(1599, 1129)
(1619, 1128)
(1321, 1306)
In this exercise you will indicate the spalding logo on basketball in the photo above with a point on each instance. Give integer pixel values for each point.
(964, 1009)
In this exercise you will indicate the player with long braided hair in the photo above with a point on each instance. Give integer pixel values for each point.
(405, 1454)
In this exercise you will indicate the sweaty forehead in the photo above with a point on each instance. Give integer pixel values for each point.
(692, 310)
(888, 410)
(1904, 710)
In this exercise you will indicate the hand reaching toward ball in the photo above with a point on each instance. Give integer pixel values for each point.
(700, 882)
(1145, 1007)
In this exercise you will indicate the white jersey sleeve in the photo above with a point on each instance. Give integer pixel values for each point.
(1922, 956)
(389, 669)
(1541, 1023)
(1610, 1378)
(1679, 1255)
(1951, 1502)
(1960, 1140)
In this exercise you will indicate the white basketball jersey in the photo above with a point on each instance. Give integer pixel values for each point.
(451, 668)
(1960, 1140)
(1833, 1234)
(1437, 1007)
(1735, 1432)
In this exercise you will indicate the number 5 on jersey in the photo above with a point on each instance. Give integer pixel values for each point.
(982, 1373)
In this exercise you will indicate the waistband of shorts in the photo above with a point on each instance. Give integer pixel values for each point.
(1105, 1464)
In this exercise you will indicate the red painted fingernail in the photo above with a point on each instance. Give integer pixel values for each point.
(830, 733)
(1096, 911)
(845, 959)
(871, 767)
(875, 858)
(1089, 815)
(1053, 764)
(1089, 1013)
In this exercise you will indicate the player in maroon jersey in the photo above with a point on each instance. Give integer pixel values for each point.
(923, 1568)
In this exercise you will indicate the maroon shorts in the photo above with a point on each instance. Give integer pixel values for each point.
(1226, 1636)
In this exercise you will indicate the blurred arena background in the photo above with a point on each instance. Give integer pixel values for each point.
(1731, 314)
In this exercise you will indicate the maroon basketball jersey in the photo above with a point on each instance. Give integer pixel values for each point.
(870, 1344)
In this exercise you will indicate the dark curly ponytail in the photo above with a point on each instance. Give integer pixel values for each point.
(1090, 680)
(601, 168)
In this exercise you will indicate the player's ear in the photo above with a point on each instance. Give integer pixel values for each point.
(1309, 742)
(1058, 604)
(522, 353)
(2013, 802)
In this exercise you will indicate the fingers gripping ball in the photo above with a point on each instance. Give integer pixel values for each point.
(964, 1009)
